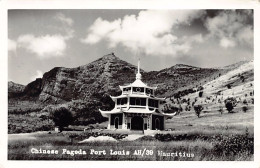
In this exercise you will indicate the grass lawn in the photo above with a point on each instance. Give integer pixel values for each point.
(183, 146)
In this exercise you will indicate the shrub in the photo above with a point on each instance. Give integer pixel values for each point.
(234, 145)
(62, 117)
(242, 78)
(221, 110)
(200, 93)
(198, 109)
(228, 86)
(244, 108)
(244, 101)
(230, 103)
(200, 88)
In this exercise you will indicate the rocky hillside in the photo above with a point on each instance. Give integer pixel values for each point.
(14, 89)
(90, 86)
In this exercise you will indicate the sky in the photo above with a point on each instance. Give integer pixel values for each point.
(39, 40)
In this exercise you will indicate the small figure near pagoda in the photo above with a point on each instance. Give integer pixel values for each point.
(136, 108)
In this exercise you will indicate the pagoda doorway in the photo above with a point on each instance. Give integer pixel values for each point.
(137, 123)
(116, 122)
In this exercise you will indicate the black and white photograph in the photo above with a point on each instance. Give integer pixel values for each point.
(131, 84)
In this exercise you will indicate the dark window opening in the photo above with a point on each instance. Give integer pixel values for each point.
(138, 101)
(149, 91)
(127, 89)
(138, 89)
(121, 101)
(153, 103)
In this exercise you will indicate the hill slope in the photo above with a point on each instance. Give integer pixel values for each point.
(237, 83)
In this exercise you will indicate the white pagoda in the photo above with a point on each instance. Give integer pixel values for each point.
(136, 108)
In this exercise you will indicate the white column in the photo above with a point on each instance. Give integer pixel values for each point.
(149, 123)
(128, 102)
(147, 103)
(123, 122)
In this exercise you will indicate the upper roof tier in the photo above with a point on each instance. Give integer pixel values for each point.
(138, 82)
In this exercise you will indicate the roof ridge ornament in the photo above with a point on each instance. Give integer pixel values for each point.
(138, 75)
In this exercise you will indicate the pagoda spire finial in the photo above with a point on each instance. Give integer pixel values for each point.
(138, 75)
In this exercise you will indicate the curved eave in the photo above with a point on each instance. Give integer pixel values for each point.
(157, 98)
(112, 97)
(106, 113)
(154, 88)
(121, 87)
(167, 114)
(138, 83)
(116, 97)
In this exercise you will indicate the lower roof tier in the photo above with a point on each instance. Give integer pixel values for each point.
(137, 96)
(135, 110)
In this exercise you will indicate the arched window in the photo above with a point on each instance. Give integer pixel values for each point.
(157, 124)
(149, 91)
(138, 89)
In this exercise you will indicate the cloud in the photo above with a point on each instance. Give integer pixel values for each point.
(47, 45)
(224, 42)
(12, 45)
(67, 24)
(231, 27)
(150, 32)
(100, 29)
(39, 74)
(65, 20)
(44, 46)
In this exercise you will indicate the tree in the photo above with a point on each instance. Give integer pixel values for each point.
(244, 108)
(200, 93)
(198, 109)
(228, 86)
(62, 117)
(230, 103)
(242, 78)
(245, 101)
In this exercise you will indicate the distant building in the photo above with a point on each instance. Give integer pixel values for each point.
(136, 108)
